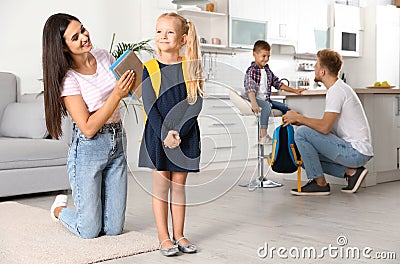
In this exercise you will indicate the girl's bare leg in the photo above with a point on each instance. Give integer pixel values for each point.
(178, 205)
(161, 186)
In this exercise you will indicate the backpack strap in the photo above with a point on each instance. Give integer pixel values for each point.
(185, 73)
(291, 146)
(275, 147)
(297, 160)
(299, 179)
(155, 78)
(155, 75)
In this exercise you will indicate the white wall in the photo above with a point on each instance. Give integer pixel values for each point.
(22, 21)
(21, 25)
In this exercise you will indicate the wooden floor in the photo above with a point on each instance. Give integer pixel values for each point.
(230, 223)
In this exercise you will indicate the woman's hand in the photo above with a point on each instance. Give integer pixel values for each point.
(172, 140)
(125, 83)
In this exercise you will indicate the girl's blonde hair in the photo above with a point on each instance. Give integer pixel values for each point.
(194, 68)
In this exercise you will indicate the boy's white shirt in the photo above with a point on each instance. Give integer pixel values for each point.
(263, 86)
(351, 124)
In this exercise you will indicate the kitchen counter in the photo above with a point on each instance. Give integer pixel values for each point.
(382, 108)
(377, 90)
(357, 90)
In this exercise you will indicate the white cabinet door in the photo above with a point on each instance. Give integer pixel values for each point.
(226, 136)
(249, 9)
(314, 12)
(312, 16)
(385, 126)
(346, 16)
(282, 19)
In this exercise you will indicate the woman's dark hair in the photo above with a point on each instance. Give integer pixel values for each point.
(56, 62)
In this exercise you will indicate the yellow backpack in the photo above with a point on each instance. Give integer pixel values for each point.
(155, 78)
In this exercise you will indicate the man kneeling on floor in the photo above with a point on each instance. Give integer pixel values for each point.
(339, 144)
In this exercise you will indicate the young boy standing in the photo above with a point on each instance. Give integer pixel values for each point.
(257, 83)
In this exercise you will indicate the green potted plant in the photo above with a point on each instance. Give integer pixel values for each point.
(136, 47)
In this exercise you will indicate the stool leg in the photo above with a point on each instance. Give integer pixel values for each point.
(260, 152)
(264, 182)
(261, 181)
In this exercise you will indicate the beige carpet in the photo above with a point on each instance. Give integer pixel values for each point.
(28, 235)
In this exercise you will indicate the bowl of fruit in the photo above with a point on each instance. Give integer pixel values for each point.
(383, 84)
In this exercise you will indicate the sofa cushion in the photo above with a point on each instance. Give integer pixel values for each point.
(8, 90)
(30, 153)
(25, 120)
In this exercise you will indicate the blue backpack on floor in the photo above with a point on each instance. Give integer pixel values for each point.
(285, 157)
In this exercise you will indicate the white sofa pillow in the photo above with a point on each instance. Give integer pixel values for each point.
(24, 120)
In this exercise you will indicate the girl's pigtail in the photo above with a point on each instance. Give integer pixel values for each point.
(194, 66)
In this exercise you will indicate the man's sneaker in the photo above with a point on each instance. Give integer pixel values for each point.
(354, 181)
(267, 140)
(312, 188)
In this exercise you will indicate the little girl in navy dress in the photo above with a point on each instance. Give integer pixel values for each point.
(172, 88)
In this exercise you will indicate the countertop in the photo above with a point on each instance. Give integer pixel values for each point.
(357, 90)
(313, 92)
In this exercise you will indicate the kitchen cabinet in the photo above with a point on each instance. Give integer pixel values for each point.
(227, 138)
(309, 105)
(382, 111)
(383, 116)
(380, 48)
(346, 16)
(312, 26)
(346, 30)
(210, 24)
(250, 9)
(282, 17)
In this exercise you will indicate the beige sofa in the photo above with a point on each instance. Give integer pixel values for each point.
(30, 162)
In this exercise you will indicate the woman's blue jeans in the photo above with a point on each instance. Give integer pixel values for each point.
(326, 153)
(266, 107)
(97, 170)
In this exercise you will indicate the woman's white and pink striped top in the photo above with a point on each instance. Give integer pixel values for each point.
(94, 88)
